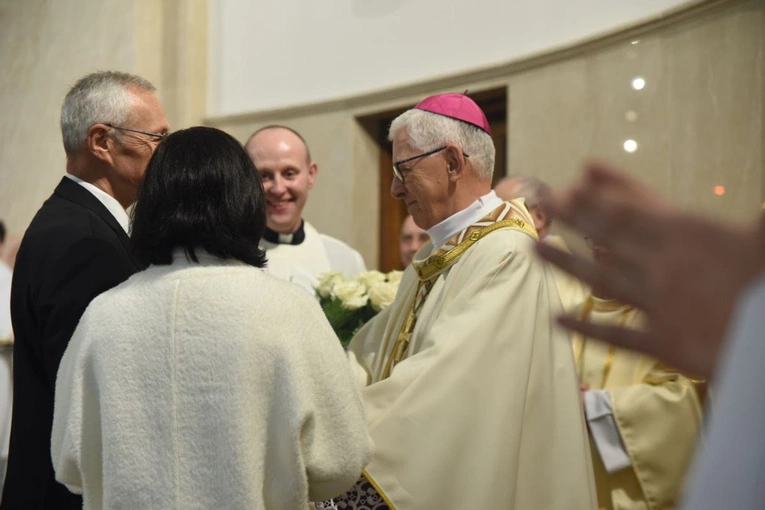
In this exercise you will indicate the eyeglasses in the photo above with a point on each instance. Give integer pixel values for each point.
(400, 174)
(156, 136)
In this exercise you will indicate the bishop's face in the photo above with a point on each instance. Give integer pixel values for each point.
(425, 189)
(282, 160)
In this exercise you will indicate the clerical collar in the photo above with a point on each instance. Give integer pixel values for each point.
(275, 237)
(458, 222)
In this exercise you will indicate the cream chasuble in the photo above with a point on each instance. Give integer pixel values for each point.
(657, 412)
(571, 290)
(470, 389)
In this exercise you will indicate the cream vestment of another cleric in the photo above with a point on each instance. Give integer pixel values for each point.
(302, 256)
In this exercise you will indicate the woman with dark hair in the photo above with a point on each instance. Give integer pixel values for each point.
(203, 382)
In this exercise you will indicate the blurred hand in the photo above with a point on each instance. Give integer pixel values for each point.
(683, 271)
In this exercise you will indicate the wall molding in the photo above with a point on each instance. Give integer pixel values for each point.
(695, 9)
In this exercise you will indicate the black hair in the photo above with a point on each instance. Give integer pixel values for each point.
(201, 190)
(2, 232)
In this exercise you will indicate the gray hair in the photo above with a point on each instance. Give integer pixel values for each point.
(530, 188)
(428, 131)
(101, 97)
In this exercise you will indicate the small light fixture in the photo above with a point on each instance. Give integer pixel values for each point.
(638, 83)
(636, 41)
(630, 145)
(719, 190)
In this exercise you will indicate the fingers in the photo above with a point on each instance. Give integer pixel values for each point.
(616, 335)
(616, 211)
(606, 281)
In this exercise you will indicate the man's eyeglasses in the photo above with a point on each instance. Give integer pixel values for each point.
(155, 136)
(397, 165)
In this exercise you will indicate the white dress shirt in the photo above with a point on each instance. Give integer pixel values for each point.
(109, 202)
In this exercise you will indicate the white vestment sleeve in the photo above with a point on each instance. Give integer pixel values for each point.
(605, 433)
(729, 471)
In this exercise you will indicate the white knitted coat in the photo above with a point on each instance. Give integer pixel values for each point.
(206, 385)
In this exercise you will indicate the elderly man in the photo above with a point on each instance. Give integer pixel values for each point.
(76, 247)
(572, 292)
(296, 251)
(470, 388)
(411, 239)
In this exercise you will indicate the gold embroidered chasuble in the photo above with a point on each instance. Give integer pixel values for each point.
(471, 390)
(657, 411)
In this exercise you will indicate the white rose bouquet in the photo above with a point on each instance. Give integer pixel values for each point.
(349, 304)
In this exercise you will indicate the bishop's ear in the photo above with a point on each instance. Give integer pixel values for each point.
(455, 162)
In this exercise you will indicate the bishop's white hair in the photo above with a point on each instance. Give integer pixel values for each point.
(427, 131)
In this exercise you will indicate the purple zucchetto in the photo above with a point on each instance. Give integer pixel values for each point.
(456, 106)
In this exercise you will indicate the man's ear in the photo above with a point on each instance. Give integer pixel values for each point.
(313, 169)
(455, 162)
(97, 142)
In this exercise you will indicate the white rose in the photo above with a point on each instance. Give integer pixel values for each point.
(352, 294)
(370, 278)
(328, 281)
(381, 295)
(394, 276)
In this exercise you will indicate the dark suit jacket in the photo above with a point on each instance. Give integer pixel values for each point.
(73, 251)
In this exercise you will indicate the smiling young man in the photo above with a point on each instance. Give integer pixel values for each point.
(296, 250)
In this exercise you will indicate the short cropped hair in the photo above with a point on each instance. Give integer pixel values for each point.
(428, 131)
(2, 232)
(201, 190)
(286, 128)
(101, 97)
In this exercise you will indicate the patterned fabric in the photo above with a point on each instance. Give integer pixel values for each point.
(440, 258)
(508, 215)
(362, 496)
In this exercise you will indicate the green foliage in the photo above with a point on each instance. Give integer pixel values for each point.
(345, 322)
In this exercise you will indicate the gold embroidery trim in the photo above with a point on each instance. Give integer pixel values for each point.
(365, 474)
(404, 336)
(439, 262)
(431, 269)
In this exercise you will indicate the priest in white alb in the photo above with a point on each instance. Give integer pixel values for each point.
(644, 417)
(296, 251)
(470, 388)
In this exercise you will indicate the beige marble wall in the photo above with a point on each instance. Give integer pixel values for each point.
(46, 46)
(698, 121)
